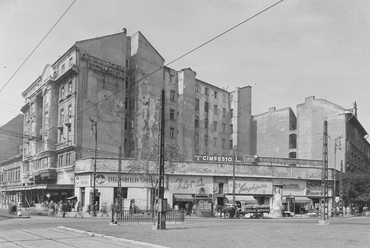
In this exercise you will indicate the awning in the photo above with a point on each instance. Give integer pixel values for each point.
(183, 197)
(72, 197)
(245, 198)
(299, 199)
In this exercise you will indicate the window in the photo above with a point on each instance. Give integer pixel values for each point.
(224, 97)
(196, 104)
(223, 112)
(216, 94)
(70, 87)
(125, 144)
(206, 123)
(172, 114)
(60, 161)
(126, 100)
(231, 144)
(206, 107)
(223, 127)
(197, 88)
(206, 91)
(126, 123)
(215, 126)
(63, 68)
(214, 142)
(126, 83)
(127, 64)
(205, 140)
(172, 132)
(223, 143)
(70, 113)
(196, 124)
(172, 95)
(196, 138)
(61, 116)
(70, 62)
(231, 113)
(132, 124)
(172, 79)
(231, 128)
(62, 92)
(68, 159)
(215, 109)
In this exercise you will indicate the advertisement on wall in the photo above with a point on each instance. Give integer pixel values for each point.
(291, 187)
(190, 184)
(251, 187)
(111, 180)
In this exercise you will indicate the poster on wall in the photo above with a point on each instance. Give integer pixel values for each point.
(82, 181)
(251, 187)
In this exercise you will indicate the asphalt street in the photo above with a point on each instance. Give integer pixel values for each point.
(195, 232)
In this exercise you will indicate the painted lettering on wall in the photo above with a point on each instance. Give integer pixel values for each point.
(186, 184)
(251, 187)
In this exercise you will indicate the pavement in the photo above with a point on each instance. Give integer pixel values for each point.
(298, 231)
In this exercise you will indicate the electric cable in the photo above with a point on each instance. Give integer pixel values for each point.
(65, 12)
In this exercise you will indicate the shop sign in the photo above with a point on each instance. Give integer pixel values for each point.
(291, 184)
(111, 180)
(313, 192)
(191, 184)
(251, 187)
(82, 180)
(217, 159)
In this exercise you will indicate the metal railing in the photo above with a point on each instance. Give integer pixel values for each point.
(149, 216)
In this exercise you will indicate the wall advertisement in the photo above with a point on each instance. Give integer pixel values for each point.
(251, 187)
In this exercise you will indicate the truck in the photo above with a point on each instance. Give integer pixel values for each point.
(243, 209)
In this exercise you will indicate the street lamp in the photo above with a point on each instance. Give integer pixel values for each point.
(94, 130)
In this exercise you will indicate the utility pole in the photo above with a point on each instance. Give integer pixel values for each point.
(341, 189)
(335, 168)
(235, 211)
(162, 203)
(94, 130)
(119, 186)
(324, 217)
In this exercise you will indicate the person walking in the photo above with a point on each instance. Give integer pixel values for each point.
(51, 208)
(64, 208)
(78, 208)
(104, 209)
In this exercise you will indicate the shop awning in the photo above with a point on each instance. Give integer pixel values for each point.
(299, 199)
(183, 197)
(246, 198)
(72, 197)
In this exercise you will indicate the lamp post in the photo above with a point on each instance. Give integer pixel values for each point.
(235, 211)
(94, 131)
(336, 146)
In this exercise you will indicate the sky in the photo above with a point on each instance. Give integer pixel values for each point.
(296, 49)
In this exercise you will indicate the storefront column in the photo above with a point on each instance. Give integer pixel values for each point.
(277, 204)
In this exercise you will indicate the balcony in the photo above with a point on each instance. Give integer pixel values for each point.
(63, 145)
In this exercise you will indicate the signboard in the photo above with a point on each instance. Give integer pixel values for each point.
(82, 181)
(217, 159)
(251, 187)
(191, 184)
(337, 199)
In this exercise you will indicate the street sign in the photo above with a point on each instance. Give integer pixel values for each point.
(337, 199)
(48, 195)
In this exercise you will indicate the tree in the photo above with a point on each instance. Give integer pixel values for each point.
(356, 188)
(146, 164)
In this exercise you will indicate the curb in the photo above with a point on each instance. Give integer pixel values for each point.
(127, 241)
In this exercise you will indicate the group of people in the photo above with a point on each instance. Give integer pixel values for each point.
(75, 206)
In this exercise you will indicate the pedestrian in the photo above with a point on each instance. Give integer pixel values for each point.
(78, 209)
(64, 208)
(117, 209)
(51, 208)
(104, 209)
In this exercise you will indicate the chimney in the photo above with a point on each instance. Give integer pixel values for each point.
(124, 30)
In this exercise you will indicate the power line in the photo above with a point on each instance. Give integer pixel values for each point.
(37, 46)
(193, 50)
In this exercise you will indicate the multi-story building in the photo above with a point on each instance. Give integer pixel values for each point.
(10, 160)
(111, 87)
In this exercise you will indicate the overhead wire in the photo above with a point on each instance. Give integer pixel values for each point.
(65, 12)
(191, 51)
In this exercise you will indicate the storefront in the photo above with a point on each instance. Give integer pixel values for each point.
(134, 190)
(248, 189)
(294, 199)
(192, 194)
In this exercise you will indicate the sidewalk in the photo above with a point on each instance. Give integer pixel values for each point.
(25, 214)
